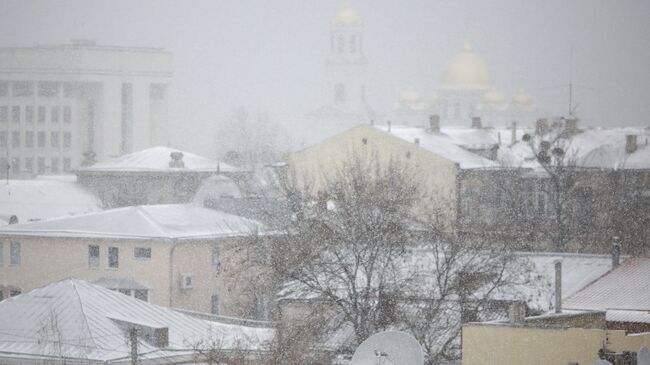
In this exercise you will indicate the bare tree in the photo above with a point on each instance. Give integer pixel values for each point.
(550, 152)
(363, 248)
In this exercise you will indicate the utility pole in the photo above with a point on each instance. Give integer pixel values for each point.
(133, 338)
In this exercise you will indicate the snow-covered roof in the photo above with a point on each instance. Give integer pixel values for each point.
(578, 270)
(32, 200)
(592, 148)
(77, 320)
(157, 159)
(627, 288)
(180, 221)
(532, 276)
(443, 145)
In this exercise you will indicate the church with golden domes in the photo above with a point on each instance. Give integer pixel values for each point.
(465, 91)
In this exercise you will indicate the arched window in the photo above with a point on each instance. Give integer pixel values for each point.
(339, 94)
(363, 93)
(341, 43)
(353, 43)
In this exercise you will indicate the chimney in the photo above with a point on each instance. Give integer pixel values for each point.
(630, 143)
(571, 125)
(434, 123)
(476, 123)
(177, 160)
(616, 253)
(558, 286)
(417, 141)
(388, 124)
(541, 126)
(517, 312)
(514, 133)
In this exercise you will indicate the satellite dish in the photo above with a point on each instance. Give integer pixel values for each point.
(643, 356)
(389, 348)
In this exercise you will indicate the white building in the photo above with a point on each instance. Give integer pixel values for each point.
(61, 105)
(345, 88)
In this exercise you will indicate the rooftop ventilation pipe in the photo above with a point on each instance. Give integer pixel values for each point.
(630, 143)
(558, 286)
(616, 253)
(434, 123)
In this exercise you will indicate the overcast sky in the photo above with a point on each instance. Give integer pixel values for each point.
(269, 55)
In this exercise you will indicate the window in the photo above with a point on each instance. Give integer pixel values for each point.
(67, 89)
(353, 43)
(93, 256)
(48, 89)
(29, 114)
(67, 114)
(29, 164)
(541, 203)
(14, 292)
(214, 304)
(157, 91)
(3, 139)
(15, 165)
(40, 162)
(22, 89)
(14, 254)
(339, 93)
(54, 114)
(2, 255)
(216, 260)
(67, 165)
(67, 139)
(54, 139)
(113, 257)
(4, 89)
(142, 252)
(55, 165)
(15, 113)
(4, 164)
(15, 139)
(4, 113)
(125, 291)
(41, 139)
(29, 139)
(341, 43)
(142, 294)
(41, 114)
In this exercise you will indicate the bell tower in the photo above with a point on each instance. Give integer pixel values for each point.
(346, 63)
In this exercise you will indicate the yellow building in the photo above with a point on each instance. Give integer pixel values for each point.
(179, 256)
(445, 168)
(546, 343)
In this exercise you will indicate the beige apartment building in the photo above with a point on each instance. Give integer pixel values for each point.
(179, 256)
(66, 104)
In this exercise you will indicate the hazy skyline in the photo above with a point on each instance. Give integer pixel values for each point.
(270, 56)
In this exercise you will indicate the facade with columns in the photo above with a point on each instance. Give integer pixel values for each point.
(62, 105)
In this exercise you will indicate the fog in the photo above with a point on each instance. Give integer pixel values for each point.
(270, 56)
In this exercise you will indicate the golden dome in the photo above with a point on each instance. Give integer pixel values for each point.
(466, 72)
(523, 101)
(347, 16)
(410, 98)
(494, 97)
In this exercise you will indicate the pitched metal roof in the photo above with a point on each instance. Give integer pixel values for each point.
(626, 288)
(180, 221)
(77, 320)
